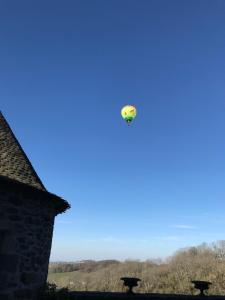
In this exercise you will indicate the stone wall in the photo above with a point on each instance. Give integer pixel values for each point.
(26, 228)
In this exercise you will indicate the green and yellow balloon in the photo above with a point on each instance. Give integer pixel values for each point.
(128, 113)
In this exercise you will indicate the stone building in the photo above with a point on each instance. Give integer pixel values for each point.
(27, 213)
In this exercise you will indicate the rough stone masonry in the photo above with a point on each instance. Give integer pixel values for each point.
(27, 213)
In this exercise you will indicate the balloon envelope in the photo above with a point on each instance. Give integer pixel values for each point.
(128, 113)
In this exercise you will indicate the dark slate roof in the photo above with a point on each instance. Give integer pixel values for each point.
(14, 163)
(57, 202)
(17, 172)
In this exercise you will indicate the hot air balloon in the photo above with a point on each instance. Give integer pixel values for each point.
(128, 113)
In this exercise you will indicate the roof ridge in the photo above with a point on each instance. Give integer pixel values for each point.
(14, 162)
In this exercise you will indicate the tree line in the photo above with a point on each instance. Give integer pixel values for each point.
(172, 275)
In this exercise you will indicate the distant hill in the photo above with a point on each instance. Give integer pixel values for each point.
(174, 275)
(84, 265)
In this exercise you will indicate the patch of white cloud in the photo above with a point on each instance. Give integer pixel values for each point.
(182, 226)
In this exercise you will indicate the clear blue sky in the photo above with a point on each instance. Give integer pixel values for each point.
(67, 68)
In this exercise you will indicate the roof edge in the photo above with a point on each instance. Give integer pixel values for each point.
(59, 203)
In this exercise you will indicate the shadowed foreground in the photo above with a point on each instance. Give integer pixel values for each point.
(118, 296)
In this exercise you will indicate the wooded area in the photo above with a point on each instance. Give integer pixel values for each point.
(172, 275)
